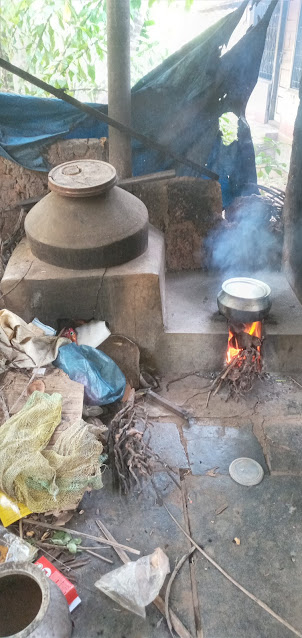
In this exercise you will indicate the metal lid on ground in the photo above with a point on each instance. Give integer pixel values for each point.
(246, 471)
(82, 178)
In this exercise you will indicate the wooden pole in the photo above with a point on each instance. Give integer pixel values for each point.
(119, 84)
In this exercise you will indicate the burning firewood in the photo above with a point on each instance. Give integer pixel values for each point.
(243, 361)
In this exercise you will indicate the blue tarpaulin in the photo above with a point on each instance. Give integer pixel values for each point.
(178, 104)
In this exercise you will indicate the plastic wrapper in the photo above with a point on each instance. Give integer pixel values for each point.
(103, 381)
(10, 510)
(92, 333)
(137, 583)
(18, 550)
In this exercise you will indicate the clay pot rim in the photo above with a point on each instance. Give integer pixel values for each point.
(34, 572)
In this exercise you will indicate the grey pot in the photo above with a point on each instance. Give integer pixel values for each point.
(32, 606)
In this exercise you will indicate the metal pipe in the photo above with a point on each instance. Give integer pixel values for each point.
(119, 84)
(146, 179)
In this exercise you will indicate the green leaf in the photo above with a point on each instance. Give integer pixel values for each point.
(51, 37)
(72, 547)
(91, 71)
(268, 169)
(99, 51)
(67, 12)
(61, 536)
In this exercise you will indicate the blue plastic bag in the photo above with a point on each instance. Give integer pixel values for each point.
(103, 381)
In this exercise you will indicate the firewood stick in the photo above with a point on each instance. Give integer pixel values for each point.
(78, 533)
(159, 603)
(177, 625)
(296, 382)
(168, 404)
(171, 579)
(89, 551)
(63, 548)
(120, 552)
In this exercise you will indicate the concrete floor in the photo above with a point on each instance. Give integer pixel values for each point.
(195, 333)
(266, 518)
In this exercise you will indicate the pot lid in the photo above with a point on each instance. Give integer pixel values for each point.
(82, 178)
(246, 471)
(246, 288)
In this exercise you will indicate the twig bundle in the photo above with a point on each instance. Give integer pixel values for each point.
(130, 456)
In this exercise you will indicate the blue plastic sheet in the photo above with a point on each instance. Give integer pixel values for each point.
(178, 104)
(103, 381)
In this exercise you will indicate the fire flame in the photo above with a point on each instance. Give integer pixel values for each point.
(254, 329)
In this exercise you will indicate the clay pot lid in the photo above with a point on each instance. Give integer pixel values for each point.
(82, 178)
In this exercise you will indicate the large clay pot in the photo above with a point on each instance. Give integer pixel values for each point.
(31, 605)
(87, 221)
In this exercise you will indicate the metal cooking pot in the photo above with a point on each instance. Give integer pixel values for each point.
(244, 300)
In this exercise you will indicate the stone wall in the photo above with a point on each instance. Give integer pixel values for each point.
(186, 209)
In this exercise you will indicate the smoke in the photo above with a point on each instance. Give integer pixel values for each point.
(249, 239)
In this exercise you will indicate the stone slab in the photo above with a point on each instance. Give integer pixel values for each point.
(212, 446)
(129, 297)
(283, 441)
(165, 441)
(140, 522)
(196, 335)
(267, 519)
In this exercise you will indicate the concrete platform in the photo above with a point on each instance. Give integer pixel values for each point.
(174, 319)
(130, 297)
(196, 335)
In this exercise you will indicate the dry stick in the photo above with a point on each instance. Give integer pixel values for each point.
(64, 548)
(120, 552)
(185, 376)
(99, 115)
(171, 579)
(168, 404)
(232, 580)
(77, 533)
(89, 551)
(221, 377)
(296, 382)
(17, 283)
(180, 629)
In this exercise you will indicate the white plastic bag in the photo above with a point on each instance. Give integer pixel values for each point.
(137, 583)
(92, 333)
(18, 550)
